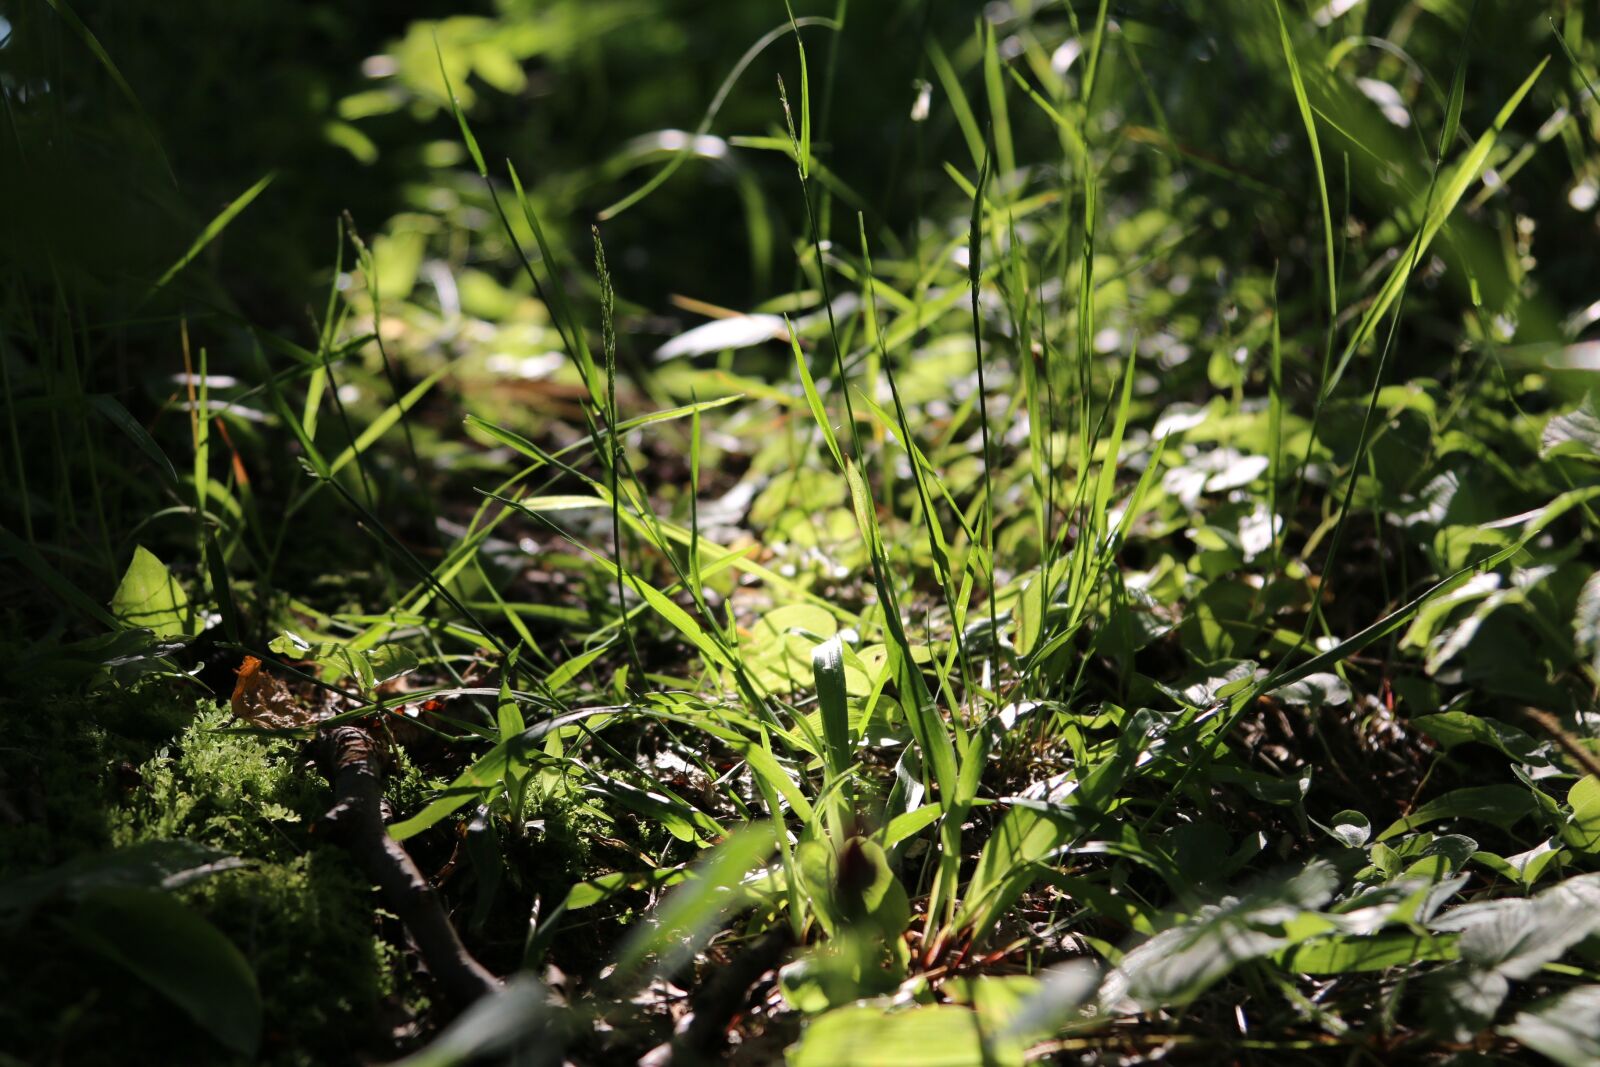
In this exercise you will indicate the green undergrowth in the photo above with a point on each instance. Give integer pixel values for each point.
(1064, 537)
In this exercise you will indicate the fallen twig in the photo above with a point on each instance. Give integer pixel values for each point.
(351, 762)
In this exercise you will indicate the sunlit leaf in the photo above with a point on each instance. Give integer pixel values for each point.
(150, 598)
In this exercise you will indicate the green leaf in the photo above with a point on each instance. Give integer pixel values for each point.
(803, 153)
(1177, 965)
(146, 865)
(371, 668)
(951, 83)
(178, 954)
(92, 43)
(1525, 868)
(681, 819)
(827, 663)
(1321, 690)
(385, 421)
(1577, 433)
(688, 915)
(819, 411)
(1508, 940)
(150, 598)
(1501, 805)
(1452, 728)
(486, 773)
(1452, 186)
(598, 890)
(1029, 615)
(1024, 837)
(687, 150)
(1297, 83)
(1452, 111)
(212, 229)
(119, 417)
(864, 1035)
(493, 1027)
(564, 674)
(1582, 830)
(1349, 955)
(1586, 621)
(1533, 525)
(1565, 1029)
(852, 886)
(1350, 828)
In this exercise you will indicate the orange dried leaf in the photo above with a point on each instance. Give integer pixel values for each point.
(262, 700)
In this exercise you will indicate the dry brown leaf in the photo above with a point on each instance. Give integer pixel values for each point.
(262, 700)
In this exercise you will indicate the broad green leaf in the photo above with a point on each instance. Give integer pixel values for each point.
(150, 598)
(1533, 524)
(1576, 433)
(1321, 690)
(1343, 954)
(178, 954)
(1525, 868)
(1582, 830)
(1566, 1029)
(1452, 728)
(779, 651)
(336, 660)
(1501, 805)
(865, 1035)
(1586, 621)
(1058, 994)
(1508, 940)
(1177, 965)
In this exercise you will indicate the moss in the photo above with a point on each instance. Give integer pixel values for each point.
(307, 928)
(65, 764)
(300, 913)
(240, 792)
